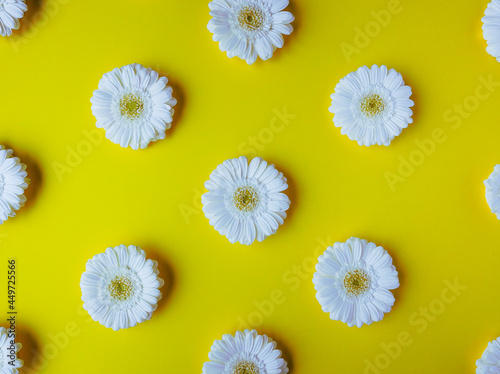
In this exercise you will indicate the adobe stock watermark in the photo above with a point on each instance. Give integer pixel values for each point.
(292, 279)
(56, 343)
(10, 352)
(77, 153)
(30, 28)
(427, 147)
(254, 144)
(419, 322)
(249, 147)
(363, 36)
(192, 209)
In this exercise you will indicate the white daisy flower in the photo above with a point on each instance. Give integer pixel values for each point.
(493, 191)
(353, 280)
(489, 363)
(372, 106)
(244, 201)
(11, 11)
(491, 27)
(13, 182)
(245, 353)
(9, 363)
(120, 288)
(247, 28)
(134, 105)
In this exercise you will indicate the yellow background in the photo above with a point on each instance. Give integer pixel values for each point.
(436, 224)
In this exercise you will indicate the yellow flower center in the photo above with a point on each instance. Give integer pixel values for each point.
(131, 106)
(356, 282)
(246, 198)
(372, 105)
(250, 18)
(245, 367)
(120, 288)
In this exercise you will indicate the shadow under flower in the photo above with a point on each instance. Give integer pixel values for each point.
(35, 7)
(289, 39)
(291, 191)
(294, 9)
(415, 108)
(179, 94)
(30, 352)
(398, 292)
(285, 351)
(167, 273)
(34, 174)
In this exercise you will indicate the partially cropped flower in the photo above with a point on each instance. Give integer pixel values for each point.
(491, 25)
(9, 363)
(353, 280)
(372, 106)
(13, 182)
(11, 11)
(244, 201)
(245, 353)
(120, 287)
(489, 363)
(134, 105)
(493, 191)
(249, 28)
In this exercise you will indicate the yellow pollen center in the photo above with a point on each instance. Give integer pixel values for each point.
(372, 105)
(250, 18)
(246, 198)
(245, 367)
(131, 106)
(356, 282)
(120, 288)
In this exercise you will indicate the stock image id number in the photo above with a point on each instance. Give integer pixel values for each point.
(11, 284)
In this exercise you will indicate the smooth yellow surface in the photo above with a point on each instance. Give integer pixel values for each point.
(435, 221)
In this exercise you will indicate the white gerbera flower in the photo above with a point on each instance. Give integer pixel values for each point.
(491, 27)
(245, 353)
(11, 11)
(134, 105)
(9, 363)
(353, 280)
(493, 190)
(372, 106)
(489, 363)
(247, 28)
(13, 182)
(120, 287)
(245, 202)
